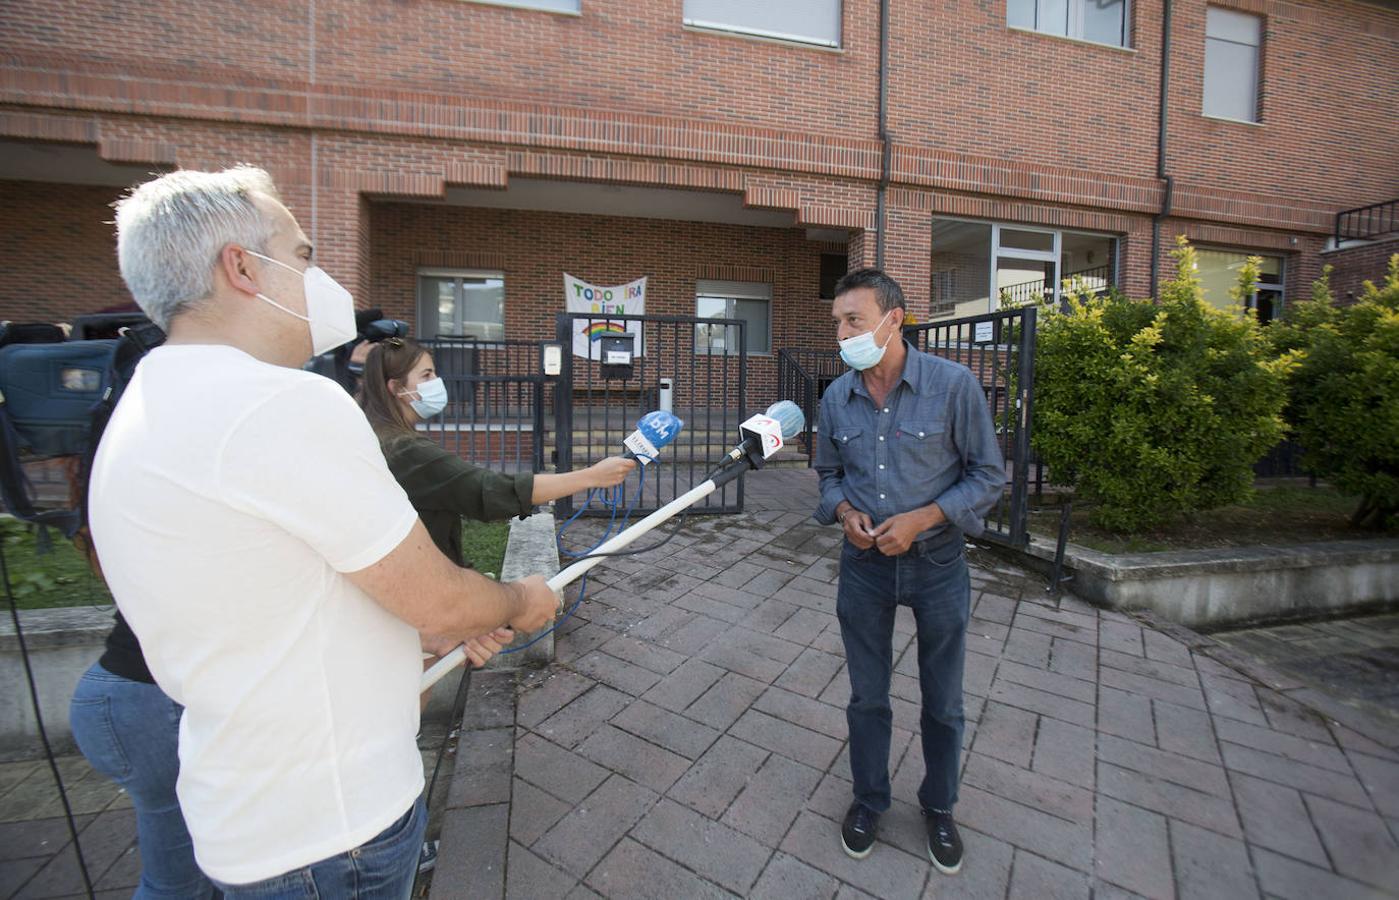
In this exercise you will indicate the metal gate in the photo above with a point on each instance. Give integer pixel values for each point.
(495, 416)
(999, 348)
(703, 361)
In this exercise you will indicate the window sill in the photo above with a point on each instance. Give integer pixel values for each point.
(760, 38)
(1072, 40)
(1231, 121)
(751, 353)
(527, 7)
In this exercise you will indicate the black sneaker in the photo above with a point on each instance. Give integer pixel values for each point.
(944, 844)
(858, 833)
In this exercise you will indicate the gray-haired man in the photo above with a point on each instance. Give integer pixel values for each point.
(275, 573)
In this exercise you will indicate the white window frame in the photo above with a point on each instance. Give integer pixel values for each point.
(993, 301)
(998, 253)
(458, 321)
(786, 37)
(536, 5)
(1257, 117)
(1075, 25)
(730, 291)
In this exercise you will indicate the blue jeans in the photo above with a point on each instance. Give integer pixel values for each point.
(382, 868)
(129, 731)
(935, 583)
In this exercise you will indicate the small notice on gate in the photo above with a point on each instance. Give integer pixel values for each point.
(983, 332)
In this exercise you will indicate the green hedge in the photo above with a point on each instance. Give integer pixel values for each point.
(1153, 410)
(1343, 394)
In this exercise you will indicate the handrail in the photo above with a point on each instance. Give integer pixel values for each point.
(1365, 222)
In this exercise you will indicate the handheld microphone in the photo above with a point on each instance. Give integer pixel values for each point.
(658, 429)
(763, 435)
(653, 432)
(768, 432)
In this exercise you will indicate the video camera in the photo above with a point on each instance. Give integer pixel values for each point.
(337, 366)
(58, 389)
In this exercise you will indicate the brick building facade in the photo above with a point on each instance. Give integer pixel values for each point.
(452, 135)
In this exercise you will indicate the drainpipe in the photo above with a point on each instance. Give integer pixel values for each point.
(880, 213)
(1161, 149)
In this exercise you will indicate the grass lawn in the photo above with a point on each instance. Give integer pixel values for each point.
(483, 545)
(1275, 515)
(58, 578)
(62, 577)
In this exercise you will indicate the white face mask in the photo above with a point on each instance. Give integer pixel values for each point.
(432, 398)
(330, 310)
(861, 352)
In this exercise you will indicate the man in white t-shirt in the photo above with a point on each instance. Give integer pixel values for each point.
(274, 571)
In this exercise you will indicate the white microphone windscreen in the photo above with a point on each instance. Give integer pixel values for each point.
(790, 416)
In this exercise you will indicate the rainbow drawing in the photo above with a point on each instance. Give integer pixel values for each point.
(596, 330)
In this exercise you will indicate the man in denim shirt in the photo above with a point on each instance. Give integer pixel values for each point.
(909, 465)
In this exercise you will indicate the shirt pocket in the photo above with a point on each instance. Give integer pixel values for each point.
(852, 444)
(921, 446)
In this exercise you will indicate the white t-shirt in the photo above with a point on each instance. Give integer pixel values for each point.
(228, 496)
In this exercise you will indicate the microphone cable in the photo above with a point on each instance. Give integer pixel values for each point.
(613, 500)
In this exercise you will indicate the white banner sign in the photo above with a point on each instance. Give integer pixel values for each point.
(599, 303)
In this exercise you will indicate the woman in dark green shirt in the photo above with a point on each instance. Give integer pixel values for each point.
(400, 388)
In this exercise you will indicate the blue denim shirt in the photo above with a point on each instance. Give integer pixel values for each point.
(933, 440)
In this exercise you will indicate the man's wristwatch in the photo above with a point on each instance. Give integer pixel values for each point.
(841, 518)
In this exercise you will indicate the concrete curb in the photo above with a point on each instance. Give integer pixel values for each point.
(476, 814)
(532, 550)
(1231, 586)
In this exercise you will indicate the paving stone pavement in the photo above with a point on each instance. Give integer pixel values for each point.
(1354, 659)
(689, 741)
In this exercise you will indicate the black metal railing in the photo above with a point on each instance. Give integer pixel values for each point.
(497, 398)
(705, 363)
(1366, 222)
(999, 349)
(1283, 461)
(802, 377)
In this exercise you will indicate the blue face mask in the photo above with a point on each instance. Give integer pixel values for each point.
(432, 398)
(861, 352)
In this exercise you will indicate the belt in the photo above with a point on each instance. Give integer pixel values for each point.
(937, 541)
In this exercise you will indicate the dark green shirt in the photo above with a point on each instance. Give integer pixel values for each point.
(444, 489)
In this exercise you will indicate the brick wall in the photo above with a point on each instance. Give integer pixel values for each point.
(1328, 128)
(1355, 265)
(401, 100)
(974, 106)
(535, 249)
(58, 252)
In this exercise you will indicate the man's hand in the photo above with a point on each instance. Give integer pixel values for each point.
(538, 604)
(610, 472)
(858, 527)
(897, 533)
(479, 650)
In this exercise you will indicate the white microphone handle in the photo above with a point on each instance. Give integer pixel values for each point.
(571, 573)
